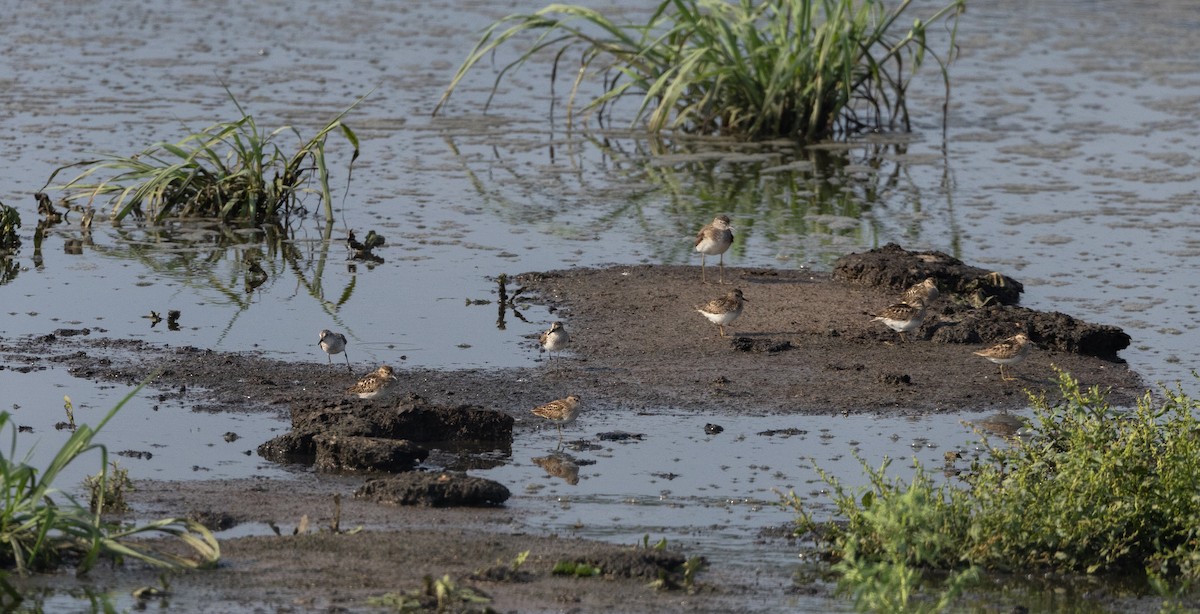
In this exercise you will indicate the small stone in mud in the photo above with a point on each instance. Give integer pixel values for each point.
(779, 346)
(213, 520)
(788, 432)
(501, 572)
(713, 429)
(444, 489)
(583, 445)
(619, 436)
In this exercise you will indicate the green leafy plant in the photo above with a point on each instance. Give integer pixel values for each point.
(41, 527)
(660, 545)
(234, 171)
(1093, 489)
(797, 68)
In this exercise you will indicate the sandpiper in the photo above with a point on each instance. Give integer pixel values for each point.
(554, 340)
(334, 343)
(723, 311)
(925, 292)
(374, 384)
(903, 317)
(713, 240)
(560, 412)
(1008, 352)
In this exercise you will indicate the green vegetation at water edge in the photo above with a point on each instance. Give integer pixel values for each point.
(233, 171)
(806, 69)
(1092, 489)
(42, 528)
(10, 221)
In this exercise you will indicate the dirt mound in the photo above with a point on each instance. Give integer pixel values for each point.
(442, 489)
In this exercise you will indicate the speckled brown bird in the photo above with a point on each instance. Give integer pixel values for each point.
(374, 384)
(903, 317)
(723, 311)
(560, 412)
(713, 240)
(1008, 352)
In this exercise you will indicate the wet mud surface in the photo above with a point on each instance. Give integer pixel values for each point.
(804, 344)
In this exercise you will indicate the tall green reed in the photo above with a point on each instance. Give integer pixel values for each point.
(806, 69)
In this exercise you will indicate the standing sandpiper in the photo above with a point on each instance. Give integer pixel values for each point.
(723, 311)
(713, 240)
(560, 412)
(334, 343)
(925, 292)
(374, 384)
(554, 340)
(903, 317)
(1008, 352)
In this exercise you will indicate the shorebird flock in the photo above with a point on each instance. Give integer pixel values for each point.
(714, 239)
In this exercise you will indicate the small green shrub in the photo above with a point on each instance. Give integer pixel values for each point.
(797, 68)
(1093, 489)
(231, 170)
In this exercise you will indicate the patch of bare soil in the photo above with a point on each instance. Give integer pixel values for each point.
(805, 343)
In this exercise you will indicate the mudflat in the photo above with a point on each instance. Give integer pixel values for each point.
(805, 343)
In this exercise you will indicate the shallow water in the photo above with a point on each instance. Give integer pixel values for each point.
(1070, 164)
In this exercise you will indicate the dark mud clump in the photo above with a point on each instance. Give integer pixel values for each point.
(351, 453)
(982, 303)
(892, 269)
(442, 489)
(381, 434)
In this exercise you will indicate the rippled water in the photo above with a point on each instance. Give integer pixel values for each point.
(1070, 164)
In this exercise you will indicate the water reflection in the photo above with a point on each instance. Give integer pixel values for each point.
(227, 265)
(559, 465)
(806, 203)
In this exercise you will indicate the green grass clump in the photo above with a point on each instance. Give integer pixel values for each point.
(234, 171)
(42, 528)
(796, 68)
(1093, 489)
(436, 595)
(10, 221)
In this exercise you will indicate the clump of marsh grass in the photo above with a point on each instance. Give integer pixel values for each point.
(10, 221)
(42, 527)
(106, 490)
(798, 68)
(1093, 489)
(234, 171)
